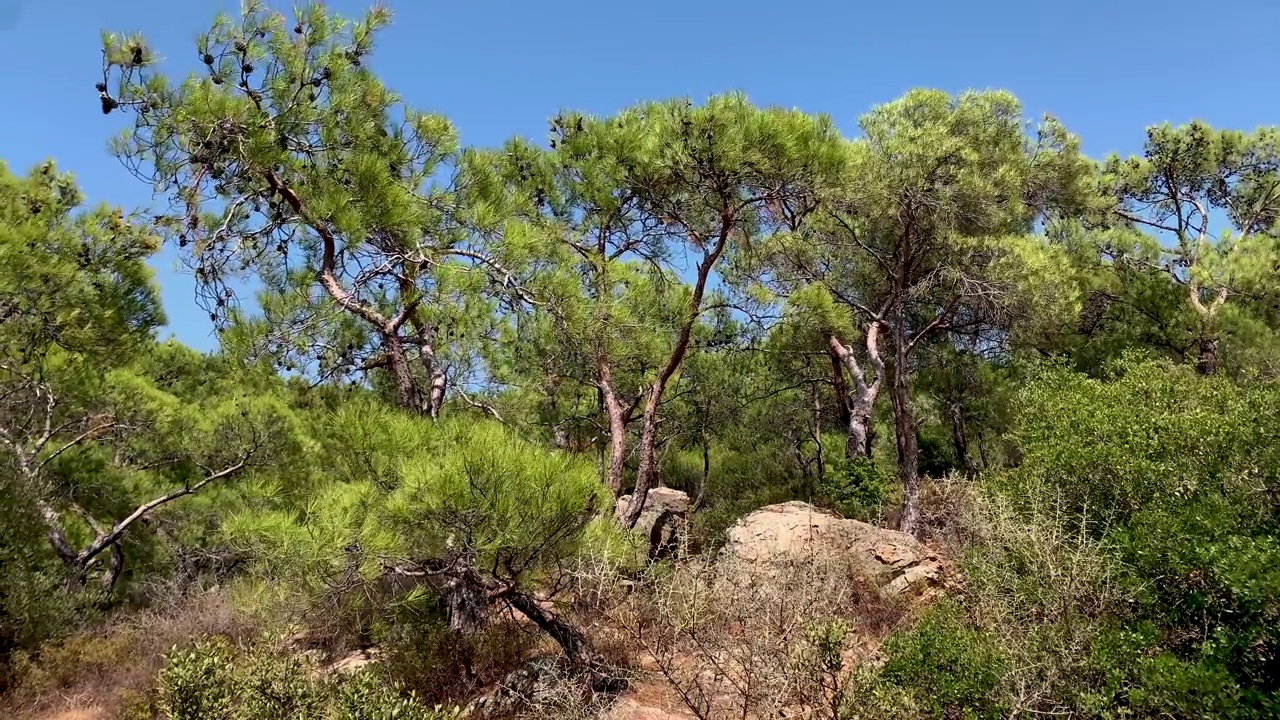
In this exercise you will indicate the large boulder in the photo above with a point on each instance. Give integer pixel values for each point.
(663, 521)
(896, 562)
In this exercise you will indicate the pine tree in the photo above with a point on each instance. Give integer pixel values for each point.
(289, 163)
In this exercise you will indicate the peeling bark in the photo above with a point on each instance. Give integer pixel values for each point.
(617, 427)
(861, 399)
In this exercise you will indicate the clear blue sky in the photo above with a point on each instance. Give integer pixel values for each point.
(1107, 68)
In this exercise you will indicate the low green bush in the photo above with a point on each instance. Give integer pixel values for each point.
(950, 669)
(857, 488)
(212, 680)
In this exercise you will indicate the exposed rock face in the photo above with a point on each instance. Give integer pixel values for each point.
(663, 520)
(353, 661)
(630, 709)
(895, 561)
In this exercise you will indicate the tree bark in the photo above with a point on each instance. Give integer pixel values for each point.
(908, 453)
(861, 399)
(647, 473)
(571, 640)
(575, 645)
(435, 401)
(904, 423)
(617, 427)
(408, 395)
(960, 439)
(408, 390)
(1207, 359)
(841, 388)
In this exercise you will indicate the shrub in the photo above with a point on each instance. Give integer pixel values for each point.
(950, 668)
(213, 681)
(197, 683)
(32, 607)
(110, 666)
(421, 653)
(856, 488)
(741, 640)
(465, 509)
(1129, 563)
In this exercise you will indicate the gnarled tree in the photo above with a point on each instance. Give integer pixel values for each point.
(1202, 207)
(930, 234)
(94, 442)
(289, 164)
(672, 186)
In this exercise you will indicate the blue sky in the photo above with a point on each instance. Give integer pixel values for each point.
(1107, 69)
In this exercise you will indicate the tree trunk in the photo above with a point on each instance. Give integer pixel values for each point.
(408, 395)
(706, 473)
(112, 574)
(861, 399)
(617, 428)
(431, 367)
(647, 473)
(1207, 360)
(856, 445)
(841, 388)
(570, 639)
(436, 400)
(816, 432)
(960, 439)
(904, 423)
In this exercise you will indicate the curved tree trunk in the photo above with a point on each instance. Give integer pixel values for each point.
(617, 427)
(647, 473)
(861, 398)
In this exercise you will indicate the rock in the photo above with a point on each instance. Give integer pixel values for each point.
(354, 661)
(630, 709)
(896, 562)
(541, 680)
(663, 521)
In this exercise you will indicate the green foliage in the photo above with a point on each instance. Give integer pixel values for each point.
(1155, 568)
(857, 488)
(291, 164)
(407, 493)
(1197, 214)
(31, 605)
(675, 272)
(950, 669)
(197, 683)
(71, 279)
(1155, 438)
(212, 681)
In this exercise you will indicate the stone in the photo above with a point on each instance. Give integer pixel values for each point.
(631, 709)
(354, 661)
(663, 521)
(896, 562)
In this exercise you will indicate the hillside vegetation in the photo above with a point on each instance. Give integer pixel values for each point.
(417, 478)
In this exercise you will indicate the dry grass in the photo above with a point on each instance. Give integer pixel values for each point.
(101, 672)
(736, 640)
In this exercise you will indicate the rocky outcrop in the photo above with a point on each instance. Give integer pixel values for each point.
(353, 661)
(663, 521)
(896, 562)
(631, 709)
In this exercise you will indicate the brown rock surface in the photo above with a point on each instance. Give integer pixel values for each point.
(662, 521)
(895, 561)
